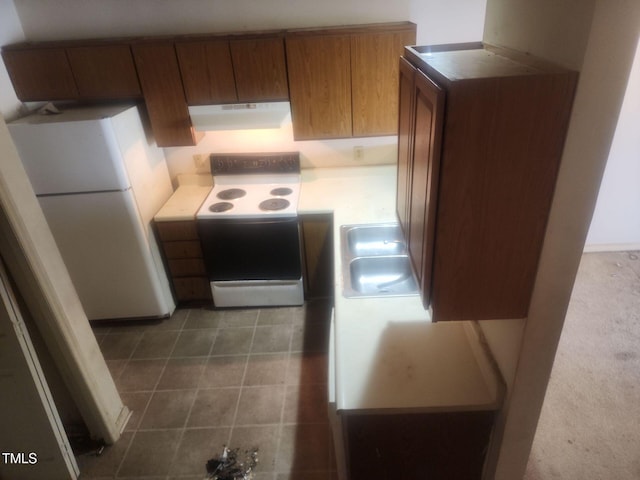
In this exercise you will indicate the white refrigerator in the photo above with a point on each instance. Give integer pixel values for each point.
(100, 181)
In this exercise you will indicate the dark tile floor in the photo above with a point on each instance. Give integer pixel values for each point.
(206, 378)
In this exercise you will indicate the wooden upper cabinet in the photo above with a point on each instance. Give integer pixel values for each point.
(490, 187)
(40, 74)
(104, 71)
(260, 69)
(161, 84)
(319, 68)
(218, 71)
(207, 72)
(374, 77)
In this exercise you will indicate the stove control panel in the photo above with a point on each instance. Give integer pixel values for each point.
(254, 163)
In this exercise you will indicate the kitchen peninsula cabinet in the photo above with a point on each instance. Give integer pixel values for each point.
(414, 446)
(230, 71)
(183, 257)
(161, 83)
(481, 136)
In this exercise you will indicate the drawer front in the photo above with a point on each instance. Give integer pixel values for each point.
(175, 231)
(186, 267)
(192, 288)
(182, 249)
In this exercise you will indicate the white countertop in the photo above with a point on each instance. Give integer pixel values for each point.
(388, 354)
(183, 204)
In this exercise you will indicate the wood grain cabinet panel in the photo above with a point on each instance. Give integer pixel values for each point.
(40, 74)
(207, 72)
(434, 446)
(104, 71)
(505, 119)
(319, 68)
(219, 71)
(405, 143)
(374, 77)
(260, 69)
(428, 118)
(161, 84)
(343, 82)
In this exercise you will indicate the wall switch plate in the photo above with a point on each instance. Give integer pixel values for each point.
(358, 153)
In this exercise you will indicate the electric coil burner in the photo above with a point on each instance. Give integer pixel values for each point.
(249, 230)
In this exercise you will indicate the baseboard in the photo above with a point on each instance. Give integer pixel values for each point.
(611, 247)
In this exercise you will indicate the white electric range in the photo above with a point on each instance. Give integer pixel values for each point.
(249, 230)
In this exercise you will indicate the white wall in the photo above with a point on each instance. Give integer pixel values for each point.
(616, 219)
(43, 19)
(438, 22)
(10, 32)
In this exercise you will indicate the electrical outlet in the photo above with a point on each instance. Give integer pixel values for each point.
(201, 163)
(358, 153)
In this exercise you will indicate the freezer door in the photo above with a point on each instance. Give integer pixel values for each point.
(68, 157)
(104, 246)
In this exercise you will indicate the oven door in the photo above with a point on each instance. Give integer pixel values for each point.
(251, 249)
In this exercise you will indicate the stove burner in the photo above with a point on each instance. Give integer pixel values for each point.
(220, 207)
(271, 204)
(281, 191)
(231, 194)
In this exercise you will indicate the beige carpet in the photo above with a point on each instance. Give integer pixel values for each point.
(590, 422)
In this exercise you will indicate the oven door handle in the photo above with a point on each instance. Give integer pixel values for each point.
(252, 221)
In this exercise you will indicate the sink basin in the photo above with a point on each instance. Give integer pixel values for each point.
(375, 262)
(375, 239)
(383, 275)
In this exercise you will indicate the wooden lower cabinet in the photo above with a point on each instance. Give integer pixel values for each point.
(435, 446)
(317, 248)
(183, 258)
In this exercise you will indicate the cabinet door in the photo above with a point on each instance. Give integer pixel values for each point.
(429, 113)
(260, 69)
(416, 446)
(40, 74)
(374, 71)
(104, 71)
(405, 143)
(207, 72)
(320, 85)
(162, 87)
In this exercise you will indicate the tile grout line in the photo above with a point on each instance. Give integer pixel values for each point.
(135, 433)
(183, 430)
(244, 374)
(284, 401)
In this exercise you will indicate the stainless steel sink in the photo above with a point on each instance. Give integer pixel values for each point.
(382, 276)
(375, 239)
(375, 262)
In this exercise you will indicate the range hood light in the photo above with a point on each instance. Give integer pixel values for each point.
(239, 116)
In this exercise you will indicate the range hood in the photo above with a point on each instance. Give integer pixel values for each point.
(239, 116)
